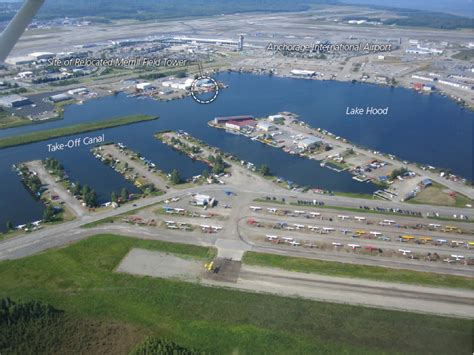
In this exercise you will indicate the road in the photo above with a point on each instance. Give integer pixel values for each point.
(57, 189)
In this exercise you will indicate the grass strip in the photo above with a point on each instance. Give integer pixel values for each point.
(75, 129)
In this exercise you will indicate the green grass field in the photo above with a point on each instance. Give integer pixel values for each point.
(80, 280)
(437, 195)
(75, 129)
(358, 271)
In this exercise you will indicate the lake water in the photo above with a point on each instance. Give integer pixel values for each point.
(429, 129)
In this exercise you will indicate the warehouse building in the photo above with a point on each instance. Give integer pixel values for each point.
(59, 98)
(309, 142)
(266, 126)
(12, 101)
(222, 120)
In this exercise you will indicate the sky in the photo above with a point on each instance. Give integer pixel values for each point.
(457, 7)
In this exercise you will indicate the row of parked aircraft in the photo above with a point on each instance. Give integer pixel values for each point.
(385, 222)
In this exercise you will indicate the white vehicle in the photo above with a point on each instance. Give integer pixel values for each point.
(328, 229)
(298, 226)
(272, 210)
(434, 225)
(299, 212)
(172, 226)
(345, 231)
(170, 222)
(343, 217)
(179, 210)
(295, 243)
(255, 208)
(204, 216)
(271, 237)
(287, 239)
(337, 245)
(175, 199)
(288, 228)
(217, 228)
(313, 228)
(457, 257)
(389, 221)
(360, 219)
(354, 246)
(404, 251)
(315, 214)
(442, 241)
(205, 226)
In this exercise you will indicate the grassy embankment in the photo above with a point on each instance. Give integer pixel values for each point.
(80, 280)
(377, 273)
(438, 195)
(9, 121)
(75, 129)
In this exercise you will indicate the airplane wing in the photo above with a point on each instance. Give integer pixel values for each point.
(17, 26)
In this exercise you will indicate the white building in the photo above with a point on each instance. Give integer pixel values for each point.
(144, 86)
(266, 126)
(78, 91)
(276, 118)
(298, 72)
(309, 142)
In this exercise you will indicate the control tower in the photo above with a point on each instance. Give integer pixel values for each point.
(240, 45)
(17, 26)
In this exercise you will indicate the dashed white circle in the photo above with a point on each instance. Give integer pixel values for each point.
(193, 89)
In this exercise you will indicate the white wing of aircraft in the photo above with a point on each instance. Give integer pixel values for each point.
(17, 26)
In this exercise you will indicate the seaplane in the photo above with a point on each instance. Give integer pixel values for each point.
(354, 246)
(343, 217)
(271, 237)
(345, 231)
(295, 243)
(450, 261)
(359, 219)
(255, 208)
(337, 245)
(405, 252)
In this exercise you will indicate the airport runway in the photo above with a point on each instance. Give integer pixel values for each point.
(439, 301)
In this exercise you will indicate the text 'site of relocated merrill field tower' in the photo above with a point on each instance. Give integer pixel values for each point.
(17, 26)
